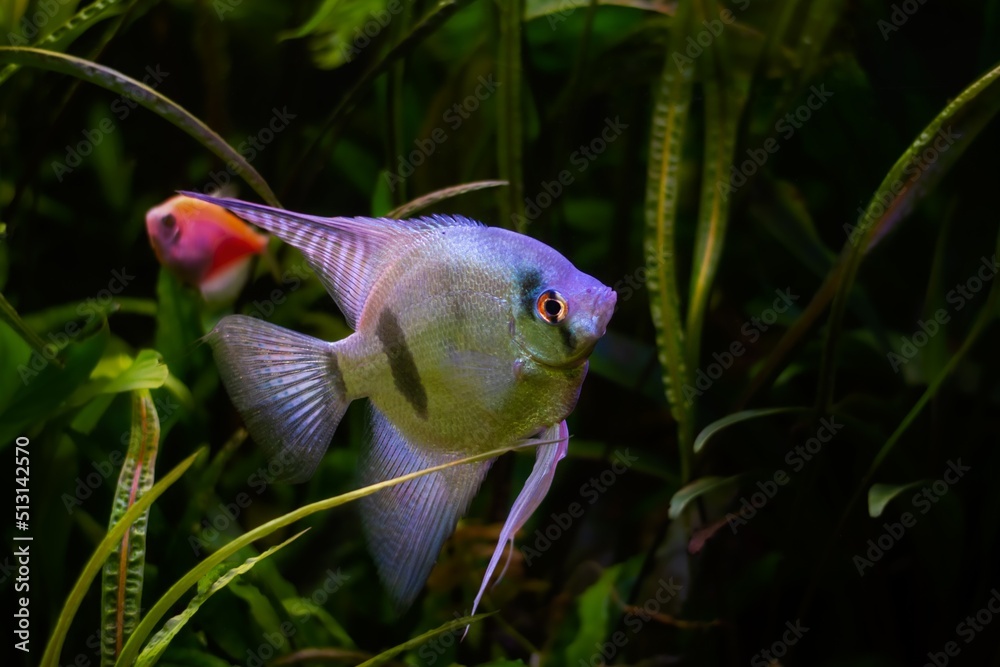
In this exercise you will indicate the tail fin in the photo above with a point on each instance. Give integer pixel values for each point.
(287, 386)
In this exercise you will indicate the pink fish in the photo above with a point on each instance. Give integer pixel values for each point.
(204, 245)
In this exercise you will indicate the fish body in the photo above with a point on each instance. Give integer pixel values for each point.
(466, 339)
(204, 245)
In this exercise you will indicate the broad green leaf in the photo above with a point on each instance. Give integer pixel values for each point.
(46, 385)
(510, 130)
(146, 96)
(432, 198)
(194, 575)
(698, 488)
(147, 372)
(121, 583)
(206, 588)
(746, 415)
(534, 9)
(10, 316)
(909, 180)
(50, 658)
(670, 114)
(336, 30)
(594, 610)
(450, 626)
(879, 496)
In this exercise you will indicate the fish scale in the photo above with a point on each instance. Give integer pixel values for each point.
(467, 339)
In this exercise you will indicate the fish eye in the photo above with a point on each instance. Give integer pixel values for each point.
(168, 220)
(551, 306)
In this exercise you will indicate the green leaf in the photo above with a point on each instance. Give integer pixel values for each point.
(124, 569)
(10, 316)
(594, 610)
(697, 488)
(194, 575)
(510, 131)
(50, 658)
(207, 587)
(909, 180)
(666, 144)
(146, 96)
(736, 418)
(79, 23)
(47, 385)
(335, 29)
(450, 626)
(879, 496)
(147, 372)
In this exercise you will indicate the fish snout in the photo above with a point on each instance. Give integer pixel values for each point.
(602, 300)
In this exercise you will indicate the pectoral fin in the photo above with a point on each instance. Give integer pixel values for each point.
(406, 524)
(537, 485)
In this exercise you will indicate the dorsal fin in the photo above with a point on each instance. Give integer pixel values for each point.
(348, 254)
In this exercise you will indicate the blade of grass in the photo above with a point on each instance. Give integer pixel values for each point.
(174, 593)
(670, 115)
(123, 571)
(386, 656)
(510, 131)
(722, 117)
(210, 585)
(10, 316)
(746, 415)
(50, 658)
(146, 96)
(905, 184)
(66, 34)
(431, 198)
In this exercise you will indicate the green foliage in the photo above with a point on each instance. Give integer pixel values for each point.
(714, 161)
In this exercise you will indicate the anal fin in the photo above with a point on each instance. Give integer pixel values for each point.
(406, 524)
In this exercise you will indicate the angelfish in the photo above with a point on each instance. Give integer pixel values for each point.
(466, 339)
(204, 245)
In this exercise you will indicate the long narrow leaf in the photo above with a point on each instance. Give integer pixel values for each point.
(50, 658)
(123, 572)
(905, 184)
(75, 26)
(431, 198)
(175, 592)
(662, 190)
(450, 626)
(206, 589)
(10, 316)
(746, 415)
(510, 138)
(146, 96)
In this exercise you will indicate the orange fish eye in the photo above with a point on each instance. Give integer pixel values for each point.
(551, 306)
